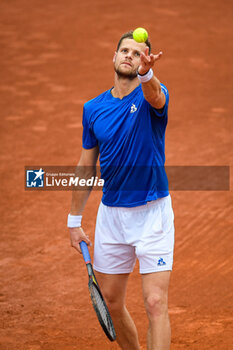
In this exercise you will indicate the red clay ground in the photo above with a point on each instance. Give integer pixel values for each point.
(52, 61)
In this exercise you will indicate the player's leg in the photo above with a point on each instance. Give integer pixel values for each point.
(155, 254)
(113, 288)
(155, 293)
(114, 259)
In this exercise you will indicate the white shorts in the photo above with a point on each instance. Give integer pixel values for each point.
(145, 233)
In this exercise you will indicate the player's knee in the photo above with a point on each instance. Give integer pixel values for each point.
(156, 304)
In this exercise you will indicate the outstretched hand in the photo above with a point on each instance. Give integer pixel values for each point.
(147, 61)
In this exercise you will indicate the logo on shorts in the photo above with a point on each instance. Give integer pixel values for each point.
(35, 178)
(161, 262)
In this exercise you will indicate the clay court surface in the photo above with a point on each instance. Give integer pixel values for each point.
(52, 61)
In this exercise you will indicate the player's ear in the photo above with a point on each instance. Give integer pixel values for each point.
(114, 57)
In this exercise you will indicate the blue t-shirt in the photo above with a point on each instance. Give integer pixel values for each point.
(130, 134)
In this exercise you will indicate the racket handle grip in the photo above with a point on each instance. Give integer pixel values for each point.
(85, 252)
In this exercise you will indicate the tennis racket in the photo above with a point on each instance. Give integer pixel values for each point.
(97, 298)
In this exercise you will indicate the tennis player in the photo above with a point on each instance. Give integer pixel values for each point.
(125, 127)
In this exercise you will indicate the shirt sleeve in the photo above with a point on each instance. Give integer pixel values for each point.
(88, 139)
(163, 111)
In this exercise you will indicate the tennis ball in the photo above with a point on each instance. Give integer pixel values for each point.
(140, 35)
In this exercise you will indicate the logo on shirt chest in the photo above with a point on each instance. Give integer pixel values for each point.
(133, 108)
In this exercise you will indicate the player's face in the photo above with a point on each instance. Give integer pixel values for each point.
(127, 58)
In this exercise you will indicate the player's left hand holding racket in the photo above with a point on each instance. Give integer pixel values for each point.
(97, 298)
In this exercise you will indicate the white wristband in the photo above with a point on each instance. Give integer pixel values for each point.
(74, 221)
(146, 77)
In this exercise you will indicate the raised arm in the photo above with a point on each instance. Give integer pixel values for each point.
(152, 88)
(86, 168)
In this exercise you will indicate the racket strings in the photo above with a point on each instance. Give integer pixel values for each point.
(100, 305)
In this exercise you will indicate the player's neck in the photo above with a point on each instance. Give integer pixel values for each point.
(123, 86)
